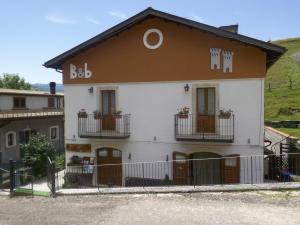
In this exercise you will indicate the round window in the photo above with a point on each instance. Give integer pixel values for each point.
(154, 45)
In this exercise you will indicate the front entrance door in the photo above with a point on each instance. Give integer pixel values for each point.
(206, 110)
(180, 168)
(109, 166)
(231, 169)
(108, 98)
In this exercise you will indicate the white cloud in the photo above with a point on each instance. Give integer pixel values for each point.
(197, 18)
(93, 21)
(117, 13)
(60, 19)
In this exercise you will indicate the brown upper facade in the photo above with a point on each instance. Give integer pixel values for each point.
(155, 46)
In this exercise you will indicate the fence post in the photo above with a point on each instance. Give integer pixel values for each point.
(1, 170)
(143, 175)
(53, 179)
(269, 86)
(291, 84)
(251, 171)
(12, 176)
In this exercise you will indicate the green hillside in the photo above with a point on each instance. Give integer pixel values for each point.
(282, 86)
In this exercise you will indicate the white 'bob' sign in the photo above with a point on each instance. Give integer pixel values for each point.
(80, 72)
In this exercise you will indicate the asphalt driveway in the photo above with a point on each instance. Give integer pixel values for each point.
(198, 208)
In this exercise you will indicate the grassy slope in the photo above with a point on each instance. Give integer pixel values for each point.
(291, 131)
(278, 76)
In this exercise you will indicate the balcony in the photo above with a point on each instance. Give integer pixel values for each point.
(30, 113)
(205, 128)
(105, 126)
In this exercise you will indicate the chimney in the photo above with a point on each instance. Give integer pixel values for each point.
(52, 88)
(231, 28)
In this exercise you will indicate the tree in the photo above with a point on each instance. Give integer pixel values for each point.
(14, 81)
(36, 153)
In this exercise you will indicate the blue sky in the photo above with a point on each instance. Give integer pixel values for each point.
(33, 31)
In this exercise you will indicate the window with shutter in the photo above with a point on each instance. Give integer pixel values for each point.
(51, 103)
(19, 102)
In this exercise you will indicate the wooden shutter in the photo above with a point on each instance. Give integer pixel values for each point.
(51, 102)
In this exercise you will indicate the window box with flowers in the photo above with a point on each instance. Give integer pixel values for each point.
(225, 114)
(117, 114)
(184, 113)
(82, 114)
(98, 115)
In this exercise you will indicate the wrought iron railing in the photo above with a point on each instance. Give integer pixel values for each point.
(108, 126)
(208, 128)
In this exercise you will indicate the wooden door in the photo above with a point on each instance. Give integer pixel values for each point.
(231, 169)
(206, 110)
(109, 167)
(180, 168)
(108, 109)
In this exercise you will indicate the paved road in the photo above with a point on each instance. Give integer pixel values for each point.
(163, 209)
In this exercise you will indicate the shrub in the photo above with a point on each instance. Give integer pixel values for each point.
(36, 153)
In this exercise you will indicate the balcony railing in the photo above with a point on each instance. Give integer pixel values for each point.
(206, 128)
(30, 113)
(108, 126)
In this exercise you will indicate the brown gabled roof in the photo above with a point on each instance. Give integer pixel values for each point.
(4, 91)
(273, 51)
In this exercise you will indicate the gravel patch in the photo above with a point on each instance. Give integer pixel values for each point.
(261, 207)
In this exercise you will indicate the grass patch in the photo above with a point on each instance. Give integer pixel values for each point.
(279, 75)
(291, 131)
(35, 193)
(277, 101)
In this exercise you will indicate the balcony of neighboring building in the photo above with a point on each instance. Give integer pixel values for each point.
(30, 113)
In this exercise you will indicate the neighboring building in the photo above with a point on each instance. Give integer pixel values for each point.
(24, 113)
(150, 67)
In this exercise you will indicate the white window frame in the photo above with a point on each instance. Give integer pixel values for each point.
(14, 139)
(57, 133)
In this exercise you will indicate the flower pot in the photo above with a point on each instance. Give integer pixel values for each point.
(183, 116)
(118, 116)
(82, 115)
(224, 116)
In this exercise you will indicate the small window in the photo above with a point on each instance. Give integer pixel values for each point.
(51, 102)
(54, 133)
(25, 135)
(10, 139)
(116, 153)
(103, 153)
(19, 102)
(230, 162)
(180, 158)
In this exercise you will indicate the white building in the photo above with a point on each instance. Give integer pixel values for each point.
(24, 113)
(151, 67)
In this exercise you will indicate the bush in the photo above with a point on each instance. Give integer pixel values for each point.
(36, 153)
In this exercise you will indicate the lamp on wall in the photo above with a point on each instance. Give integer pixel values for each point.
(91, 90)
(167, 157)
(129, 156)
(186, 88)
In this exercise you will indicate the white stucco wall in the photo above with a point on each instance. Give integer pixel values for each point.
(32, 102)
(152, 107)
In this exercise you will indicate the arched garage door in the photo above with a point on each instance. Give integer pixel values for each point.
(109, 166)
(208, 170)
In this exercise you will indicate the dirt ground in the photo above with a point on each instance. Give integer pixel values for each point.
(163, 209)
